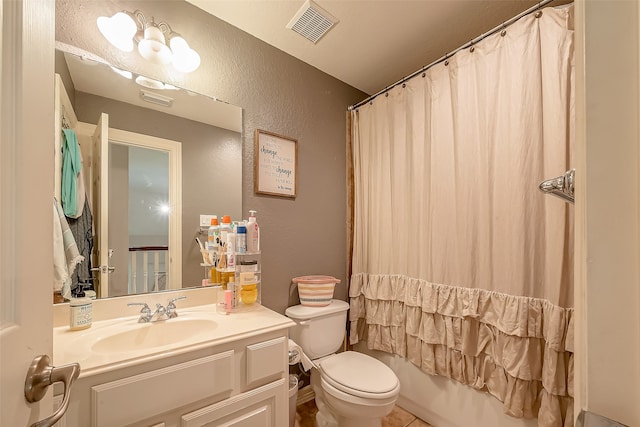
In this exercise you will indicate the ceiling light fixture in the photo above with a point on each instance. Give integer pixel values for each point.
(154, 84)
(149, 83)
(157, 42)
(123, 73)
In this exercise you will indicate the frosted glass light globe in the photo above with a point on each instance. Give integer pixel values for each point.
(185, 59)
(153, 47)
(118, 30)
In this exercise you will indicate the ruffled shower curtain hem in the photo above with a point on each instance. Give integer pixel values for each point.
(518, 349)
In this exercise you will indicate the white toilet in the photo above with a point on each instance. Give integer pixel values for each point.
(352, 389)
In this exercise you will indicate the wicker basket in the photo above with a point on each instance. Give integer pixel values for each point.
(315, 291)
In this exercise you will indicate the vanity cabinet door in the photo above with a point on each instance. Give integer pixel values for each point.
(265, 406)
(134, 399)
(266, 361)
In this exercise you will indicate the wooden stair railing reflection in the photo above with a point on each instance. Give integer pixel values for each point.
(157, 270)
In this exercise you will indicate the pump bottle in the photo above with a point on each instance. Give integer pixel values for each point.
(80, 310)
(253, 233)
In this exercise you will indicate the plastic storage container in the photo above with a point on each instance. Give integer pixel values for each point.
(246, 277)
(315, 291)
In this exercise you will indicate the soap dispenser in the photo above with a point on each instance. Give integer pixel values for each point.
(81, 311)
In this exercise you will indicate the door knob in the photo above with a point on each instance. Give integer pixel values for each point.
(40, 376)
(103, 269)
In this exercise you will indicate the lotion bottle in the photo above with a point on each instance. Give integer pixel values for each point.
(241, 238)
(253, 234)
(213, 234)
(225, 229)
(231, 250)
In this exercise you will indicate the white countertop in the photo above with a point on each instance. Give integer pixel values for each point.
(213, 328)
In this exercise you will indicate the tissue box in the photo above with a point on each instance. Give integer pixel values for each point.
(315, 291)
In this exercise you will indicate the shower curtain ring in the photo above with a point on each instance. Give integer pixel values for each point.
(539, 12)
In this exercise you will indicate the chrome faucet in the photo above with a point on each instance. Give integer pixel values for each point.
(161, 313)
(145, 312)
(171, 307)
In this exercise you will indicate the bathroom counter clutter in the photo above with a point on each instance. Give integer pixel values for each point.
(124, 342)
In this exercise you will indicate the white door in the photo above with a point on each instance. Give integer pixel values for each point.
(110, 246)
(607, 249)
(150, 148)
(26, 198)
(100, 141)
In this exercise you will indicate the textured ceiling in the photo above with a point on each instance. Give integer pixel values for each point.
(375, 43)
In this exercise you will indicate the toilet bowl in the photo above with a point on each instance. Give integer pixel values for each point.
(358, 389)
(352, 389)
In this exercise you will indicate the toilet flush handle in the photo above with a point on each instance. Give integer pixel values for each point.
(303, 322)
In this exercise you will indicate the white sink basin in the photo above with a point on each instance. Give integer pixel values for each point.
(118, 342)
(146, 336)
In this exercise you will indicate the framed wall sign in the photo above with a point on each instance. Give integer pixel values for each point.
(275, 164)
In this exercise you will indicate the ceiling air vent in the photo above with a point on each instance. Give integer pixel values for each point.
(312, 22)
(154, 98)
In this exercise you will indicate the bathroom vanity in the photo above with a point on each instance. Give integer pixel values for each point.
(201, 368)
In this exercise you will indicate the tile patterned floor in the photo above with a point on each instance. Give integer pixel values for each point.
(306, 413)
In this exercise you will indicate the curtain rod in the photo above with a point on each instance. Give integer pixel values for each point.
(500, 27)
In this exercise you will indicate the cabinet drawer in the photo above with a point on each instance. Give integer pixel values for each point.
(266, 361)
(132, 399)
(263, 407)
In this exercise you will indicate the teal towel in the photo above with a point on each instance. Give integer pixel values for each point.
(71, 165)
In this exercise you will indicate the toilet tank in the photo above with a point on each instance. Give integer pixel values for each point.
(319, 331)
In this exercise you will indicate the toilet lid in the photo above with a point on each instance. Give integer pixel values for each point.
(357, 373)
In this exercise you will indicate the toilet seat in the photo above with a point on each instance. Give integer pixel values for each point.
(360, 375)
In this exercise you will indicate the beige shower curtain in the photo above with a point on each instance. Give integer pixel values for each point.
(459, 263)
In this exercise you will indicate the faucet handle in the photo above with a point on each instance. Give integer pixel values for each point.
(172, 300)
(171, 307)
(144, 304)
(160, 310)
(145, 311)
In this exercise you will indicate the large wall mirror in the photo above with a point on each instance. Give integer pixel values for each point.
(155, 158)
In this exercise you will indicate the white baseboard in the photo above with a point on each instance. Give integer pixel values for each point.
(424, 414)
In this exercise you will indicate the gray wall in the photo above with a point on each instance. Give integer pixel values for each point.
(278, 93)
(62, 70)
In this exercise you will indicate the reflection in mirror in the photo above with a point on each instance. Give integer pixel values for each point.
(148, 213)
(169, 156)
